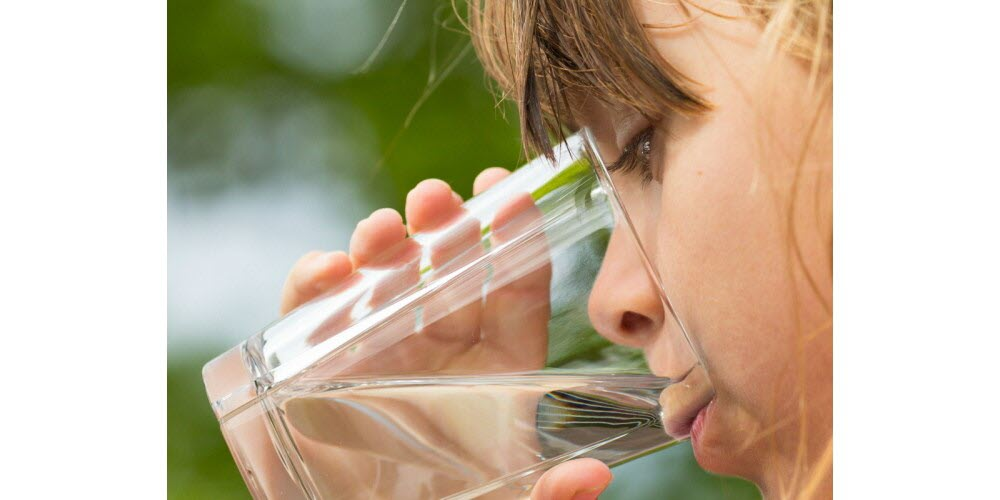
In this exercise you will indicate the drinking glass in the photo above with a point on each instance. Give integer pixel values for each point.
(463, 363)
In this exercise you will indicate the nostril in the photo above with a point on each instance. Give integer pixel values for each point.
(632, 323)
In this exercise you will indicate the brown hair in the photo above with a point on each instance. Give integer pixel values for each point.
(547, 55)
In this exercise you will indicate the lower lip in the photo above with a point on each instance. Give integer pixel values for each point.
(698, 426)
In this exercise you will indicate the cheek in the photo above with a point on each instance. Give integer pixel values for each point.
(721, 251)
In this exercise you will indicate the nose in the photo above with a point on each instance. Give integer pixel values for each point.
(624, 306)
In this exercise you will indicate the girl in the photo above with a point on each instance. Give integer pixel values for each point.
(719, 116)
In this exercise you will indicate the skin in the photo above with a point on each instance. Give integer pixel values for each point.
(717, 225)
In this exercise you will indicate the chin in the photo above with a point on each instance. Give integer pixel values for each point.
(721, 452)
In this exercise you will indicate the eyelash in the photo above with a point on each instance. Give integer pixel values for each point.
(634, 158)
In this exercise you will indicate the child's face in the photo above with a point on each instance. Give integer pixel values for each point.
(718, 224)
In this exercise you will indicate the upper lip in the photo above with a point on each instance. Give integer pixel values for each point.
(683, 400)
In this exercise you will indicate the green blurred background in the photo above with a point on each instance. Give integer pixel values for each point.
(278, 145)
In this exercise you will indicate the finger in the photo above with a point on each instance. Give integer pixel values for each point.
(386, 264)
(487, 178)
(435, 211)
(376, 239)
(517, 308)
(382, 253)
(313, 274)
(581, 479)
(430, 205)
(452, 236)
(453, 331)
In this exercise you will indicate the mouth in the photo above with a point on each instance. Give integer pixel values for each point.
(698, 426)
(684, 404)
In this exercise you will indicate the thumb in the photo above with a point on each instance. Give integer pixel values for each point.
(582, 479)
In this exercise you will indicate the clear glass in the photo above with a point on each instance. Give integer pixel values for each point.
(463, 364)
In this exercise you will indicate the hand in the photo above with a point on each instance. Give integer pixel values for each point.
(505, 332)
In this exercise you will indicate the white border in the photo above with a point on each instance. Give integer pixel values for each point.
(83, 252)
(916, 249)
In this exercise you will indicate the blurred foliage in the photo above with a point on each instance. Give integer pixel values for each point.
(457, 131)
(260, 90)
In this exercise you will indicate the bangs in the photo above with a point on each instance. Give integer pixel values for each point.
(549, 56)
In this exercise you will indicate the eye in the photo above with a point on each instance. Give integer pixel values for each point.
(636, 156)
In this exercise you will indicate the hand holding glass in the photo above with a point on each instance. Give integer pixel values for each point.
(459, 363)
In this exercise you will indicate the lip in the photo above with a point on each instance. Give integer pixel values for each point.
(698, 426)
(682, 424)
(684, 401)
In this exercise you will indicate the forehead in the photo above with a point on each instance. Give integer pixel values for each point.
(663, 12)
(711, 46)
